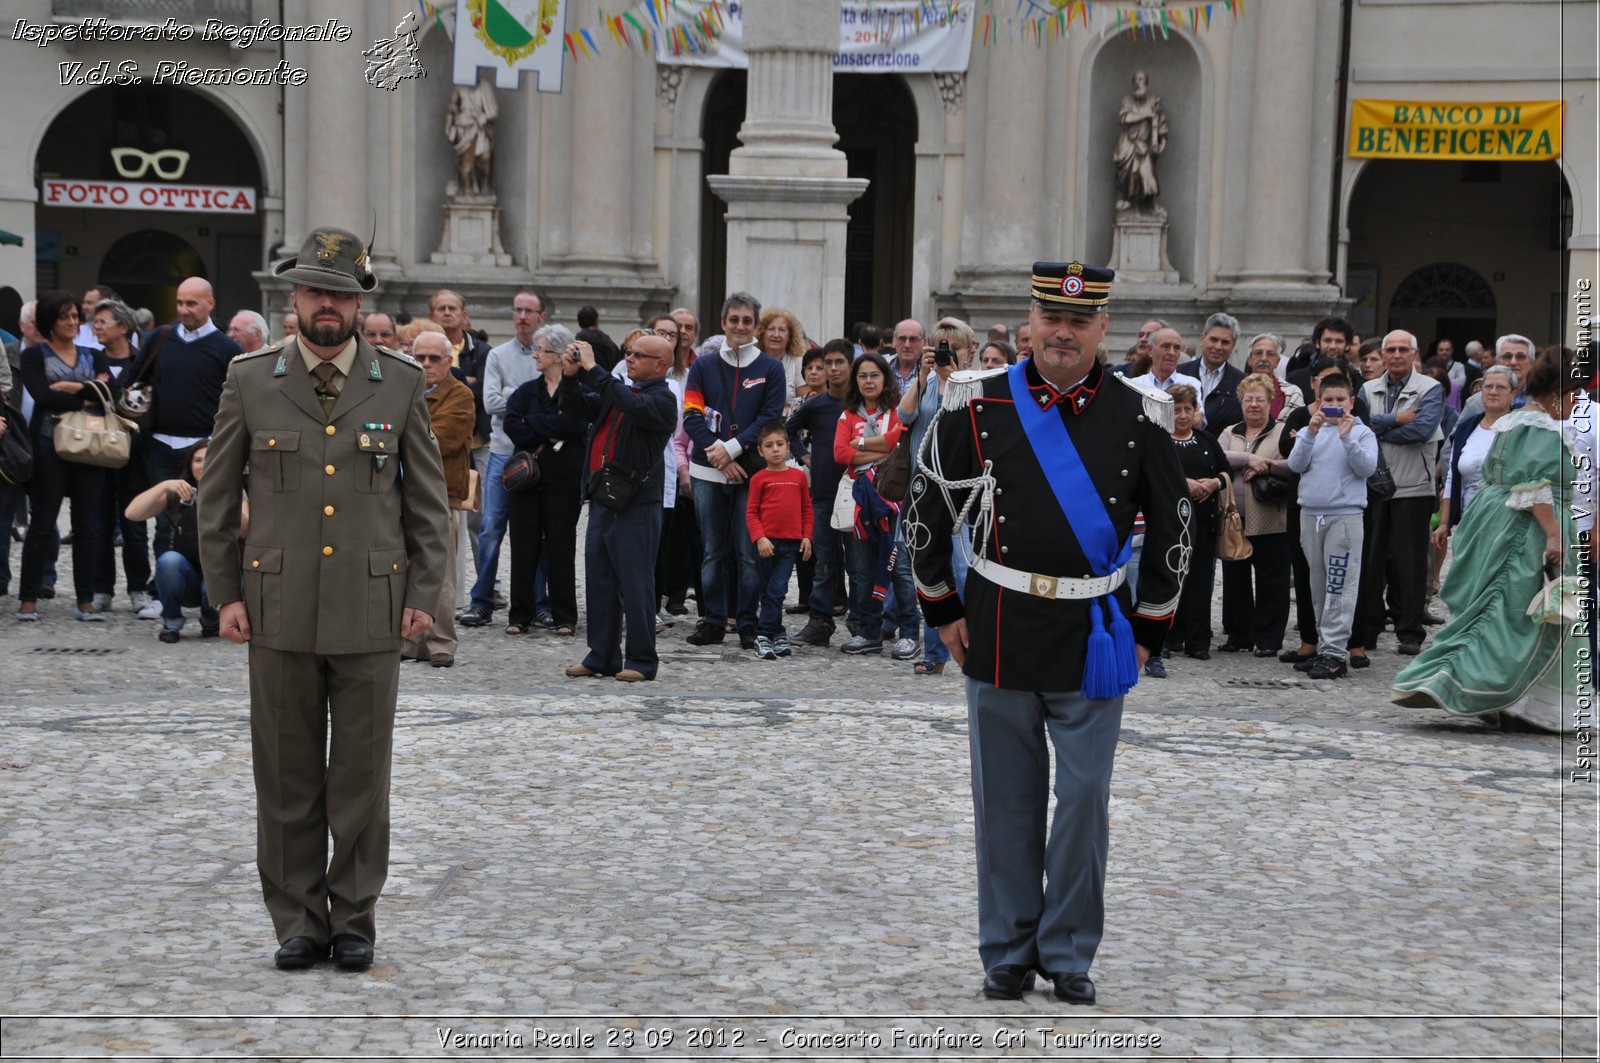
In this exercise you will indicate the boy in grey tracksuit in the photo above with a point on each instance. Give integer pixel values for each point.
(1334, 455)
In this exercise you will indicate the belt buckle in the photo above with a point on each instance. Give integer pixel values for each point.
(1043, 586)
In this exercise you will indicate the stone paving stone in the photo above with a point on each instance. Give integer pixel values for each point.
(1295, 869)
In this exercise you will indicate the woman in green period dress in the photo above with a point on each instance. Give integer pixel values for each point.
(1492, 656)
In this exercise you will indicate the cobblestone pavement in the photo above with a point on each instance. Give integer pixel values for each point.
(754, 858)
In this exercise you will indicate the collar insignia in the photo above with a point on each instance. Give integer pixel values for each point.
(375, 373)
(282, 368)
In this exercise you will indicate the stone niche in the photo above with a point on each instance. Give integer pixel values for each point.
(1174, 72)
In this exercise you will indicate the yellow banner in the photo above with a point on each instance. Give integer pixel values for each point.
(1523, 131)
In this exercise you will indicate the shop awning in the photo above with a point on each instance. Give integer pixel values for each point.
(9, 238)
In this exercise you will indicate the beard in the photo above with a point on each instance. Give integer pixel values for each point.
(324, 333)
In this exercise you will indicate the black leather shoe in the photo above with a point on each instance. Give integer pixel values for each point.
(298, 953)
(353, 954)
(1008, 982)
(1360, 661)
(476, 616)
(1074, 988)
(706, 634)
(1199, 655)
(1231, 647)
(1295, 656)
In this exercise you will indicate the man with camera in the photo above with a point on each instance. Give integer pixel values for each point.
(623, 470)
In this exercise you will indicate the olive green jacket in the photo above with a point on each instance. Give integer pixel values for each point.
(348, 518)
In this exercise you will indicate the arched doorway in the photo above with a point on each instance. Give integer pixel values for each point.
(146, 268)
(877, 123)
(95, 163)
(724, 114)
(1444, 300)
(1462, 251)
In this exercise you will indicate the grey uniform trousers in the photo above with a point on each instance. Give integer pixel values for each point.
(300, 705)
(1041, 899)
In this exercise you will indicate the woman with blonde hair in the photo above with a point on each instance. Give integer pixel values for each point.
(405, 335)
(1255, 611)
(779, 334)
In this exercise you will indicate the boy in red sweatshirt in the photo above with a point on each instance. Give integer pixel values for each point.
(779, 516)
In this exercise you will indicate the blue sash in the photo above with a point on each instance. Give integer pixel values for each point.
(1110, 667)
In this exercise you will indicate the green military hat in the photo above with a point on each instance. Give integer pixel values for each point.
(331, 259)
(1071, 286)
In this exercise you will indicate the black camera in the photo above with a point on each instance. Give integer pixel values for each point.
(943, 355)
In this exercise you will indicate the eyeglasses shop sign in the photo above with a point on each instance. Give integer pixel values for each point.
(140, 195)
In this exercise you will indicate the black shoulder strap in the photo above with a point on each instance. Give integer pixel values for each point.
(152, 355)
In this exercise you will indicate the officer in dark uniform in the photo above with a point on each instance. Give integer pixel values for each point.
(344, 557)
(1049, 460)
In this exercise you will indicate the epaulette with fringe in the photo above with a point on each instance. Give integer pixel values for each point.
(1157, 404)
(964, 385)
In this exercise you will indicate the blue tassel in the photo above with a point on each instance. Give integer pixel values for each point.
(1122, 633)
(1101, 677)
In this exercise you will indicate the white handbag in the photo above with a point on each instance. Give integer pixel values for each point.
(843, 517)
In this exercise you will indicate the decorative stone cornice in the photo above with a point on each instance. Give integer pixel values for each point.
(952, 90)
(668, 78)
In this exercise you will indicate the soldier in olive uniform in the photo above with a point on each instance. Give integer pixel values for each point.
(343, 559)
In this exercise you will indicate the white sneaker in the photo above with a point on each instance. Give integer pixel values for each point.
(150, 610)
(665, 619)
(101, 603)
(905, 649)
(138, 600)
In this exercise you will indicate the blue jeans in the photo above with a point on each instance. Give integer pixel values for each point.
(491, 530)
(774, 573)
(178, 582)
(934, 651)
(720, 509)
(900, 610)
(826, 554)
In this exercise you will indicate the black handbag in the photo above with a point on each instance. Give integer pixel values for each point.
(16, 451)
(613, 486)
(1271, 488)
(521, 471)
(894, 475)
(1380, 485)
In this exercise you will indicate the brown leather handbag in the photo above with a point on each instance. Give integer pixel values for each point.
(1232, 543)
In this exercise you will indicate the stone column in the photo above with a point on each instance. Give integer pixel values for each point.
(1279, 171)
(786, 189)
(336, 163)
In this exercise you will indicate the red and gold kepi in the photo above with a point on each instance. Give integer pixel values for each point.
(1071, 286)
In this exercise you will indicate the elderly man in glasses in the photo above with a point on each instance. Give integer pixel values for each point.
(453, 412)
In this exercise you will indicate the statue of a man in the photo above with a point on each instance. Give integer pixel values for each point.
(469, 127)
(1143, 138)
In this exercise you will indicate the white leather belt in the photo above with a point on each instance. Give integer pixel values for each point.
(1040, 586)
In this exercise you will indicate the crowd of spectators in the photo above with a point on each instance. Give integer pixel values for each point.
(1349, 461)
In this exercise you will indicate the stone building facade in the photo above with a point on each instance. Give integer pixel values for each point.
(937, 190)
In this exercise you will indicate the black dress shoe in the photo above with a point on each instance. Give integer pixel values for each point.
(1295, 656)
(1074, 988)
(297, 953)
(353, 954)
(1360, 661)
(1008, 981)
(1199, 655)
(1231, 647)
